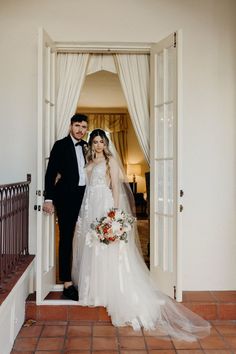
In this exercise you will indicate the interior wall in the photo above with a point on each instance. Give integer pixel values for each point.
(209, 67)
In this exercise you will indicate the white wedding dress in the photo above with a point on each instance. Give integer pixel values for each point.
(115, 275)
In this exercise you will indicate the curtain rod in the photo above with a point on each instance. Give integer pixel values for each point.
(107, 52)
(102, 49)
(105, 112)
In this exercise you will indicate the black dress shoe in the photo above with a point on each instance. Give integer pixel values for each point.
(71, 293)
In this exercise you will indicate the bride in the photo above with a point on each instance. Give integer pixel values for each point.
(114, 275)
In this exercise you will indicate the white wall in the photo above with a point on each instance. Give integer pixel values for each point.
(12, 310)
(209, 53)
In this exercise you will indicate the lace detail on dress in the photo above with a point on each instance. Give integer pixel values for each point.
(97, 174)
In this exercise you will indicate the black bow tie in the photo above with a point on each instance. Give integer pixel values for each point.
(79, 143)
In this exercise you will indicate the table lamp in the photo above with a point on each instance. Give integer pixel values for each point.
(134, 169)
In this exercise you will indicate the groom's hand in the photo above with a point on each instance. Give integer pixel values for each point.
(48, 207)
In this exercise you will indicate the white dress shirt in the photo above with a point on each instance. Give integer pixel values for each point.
(80, 161)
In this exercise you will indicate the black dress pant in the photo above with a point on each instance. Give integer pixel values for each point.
(67, 213)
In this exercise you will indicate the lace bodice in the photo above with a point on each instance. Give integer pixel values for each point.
(96, 174)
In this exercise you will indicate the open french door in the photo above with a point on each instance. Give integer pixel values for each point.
(165, 190)
(46, 137)
(165, 217)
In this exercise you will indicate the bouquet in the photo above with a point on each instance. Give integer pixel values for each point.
(113, 226)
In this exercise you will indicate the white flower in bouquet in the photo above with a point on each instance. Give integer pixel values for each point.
(116, 228)
(107, 220)
(120, 215)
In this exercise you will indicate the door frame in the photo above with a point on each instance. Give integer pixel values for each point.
(180, 187)
(135, 48)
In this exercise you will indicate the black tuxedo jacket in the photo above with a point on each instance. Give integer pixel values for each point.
(62, 160)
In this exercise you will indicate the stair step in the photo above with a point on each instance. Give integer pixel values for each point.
(211, 305)
(63, 312)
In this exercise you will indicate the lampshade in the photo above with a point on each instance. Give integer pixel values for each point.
(134, 169)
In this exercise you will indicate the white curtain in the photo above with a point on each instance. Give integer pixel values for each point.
(98, 62)
(133, 71)
(71, 74)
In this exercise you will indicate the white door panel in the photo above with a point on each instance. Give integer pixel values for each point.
(46, 137)
(164, 165)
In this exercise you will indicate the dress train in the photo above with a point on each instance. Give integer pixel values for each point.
(115, 276)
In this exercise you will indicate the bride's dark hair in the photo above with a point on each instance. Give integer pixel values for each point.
(91, 155)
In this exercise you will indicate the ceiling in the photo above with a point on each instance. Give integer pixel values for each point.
(102, 89)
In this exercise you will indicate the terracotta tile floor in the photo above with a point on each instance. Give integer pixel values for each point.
(84, 337)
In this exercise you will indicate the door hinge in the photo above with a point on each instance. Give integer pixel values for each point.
(37, 207)
(38, 192)
(181, 208)
(174, 292)
(28, 176)
(181, 193)
(175, 40)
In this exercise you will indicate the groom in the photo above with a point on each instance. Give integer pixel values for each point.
(64, 190)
